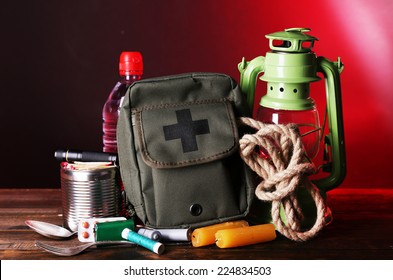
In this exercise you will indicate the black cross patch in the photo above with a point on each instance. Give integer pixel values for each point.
(186, 129)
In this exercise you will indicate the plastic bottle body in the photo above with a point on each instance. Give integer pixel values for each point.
(111, 110)
(306, 120)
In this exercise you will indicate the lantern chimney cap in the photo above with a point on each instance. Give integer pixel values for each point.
(293, 40)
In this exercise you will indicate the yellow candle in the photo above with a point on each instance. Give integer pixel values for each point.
(227, 238)
(205, 235)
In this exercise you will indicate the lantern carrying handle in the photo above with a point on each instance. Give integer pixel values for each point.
(249, 71)
(334, 153)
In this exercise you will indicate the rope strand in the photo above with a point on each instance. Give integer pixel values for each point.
(283, 171)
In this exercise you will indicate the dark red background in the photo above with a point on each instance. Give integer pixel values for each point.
(59, 62)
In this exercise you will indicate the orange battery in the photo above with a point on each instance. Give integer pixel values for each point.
(234, 237)
(205, 235)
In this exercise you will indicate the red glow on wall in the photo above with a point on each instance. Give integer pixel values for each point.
(360, 33)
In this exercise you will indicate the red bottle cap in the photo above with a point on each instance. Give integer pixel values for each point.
(131, 63)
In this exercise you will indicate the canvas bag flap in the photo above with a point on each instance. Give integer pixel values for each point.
(185, 134)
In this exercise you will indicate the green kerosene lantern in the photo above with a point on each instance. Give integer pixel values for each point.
(289, 68)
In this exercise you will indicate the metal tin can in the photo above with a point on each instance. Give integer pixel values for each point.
(89, 192)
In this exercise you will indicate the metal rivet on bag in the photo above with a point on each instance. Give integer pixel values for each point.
(195, 209)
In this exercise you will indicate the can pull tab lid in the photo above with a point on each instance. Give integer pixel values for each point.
(293, 40)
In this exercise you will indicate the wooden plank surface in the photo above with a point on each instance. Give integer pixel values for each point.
(362, 228)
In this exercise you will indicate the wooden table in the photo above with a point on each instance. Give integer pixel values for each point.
(362, 228)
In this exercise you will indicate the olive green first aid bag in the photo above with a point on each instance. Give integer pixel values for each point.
(178, 151)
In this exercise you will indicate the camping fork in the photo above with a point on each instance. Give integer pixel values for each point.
(74, 250)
